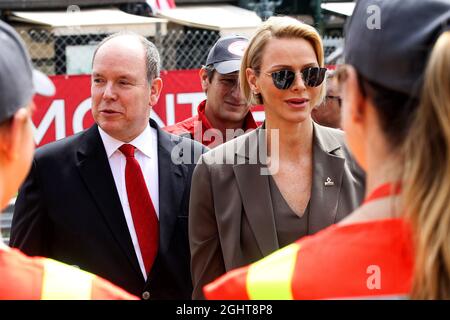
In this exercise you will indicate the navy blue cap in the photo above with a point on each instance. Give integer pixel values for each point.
(389, 41)
(226, 54)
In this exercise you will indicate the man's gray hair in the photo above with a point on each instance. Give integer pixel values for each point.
(152, 61)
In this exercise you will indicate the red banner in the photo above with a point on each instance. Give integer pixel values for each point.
(68, 112)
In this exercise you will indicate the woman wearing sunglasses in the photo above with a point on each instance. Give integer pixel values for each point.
(396, 244)
(245, 205)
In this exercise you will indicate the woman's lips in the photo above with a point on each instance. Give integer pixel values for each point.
(297, 103)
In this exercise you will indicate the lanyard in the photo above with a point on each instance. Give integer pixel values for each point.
(385, 190)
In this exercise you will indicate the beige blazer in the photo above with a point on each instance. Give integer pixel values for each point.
(231, 219)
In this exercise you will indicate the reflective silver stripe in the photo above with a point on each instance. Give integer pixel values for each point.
(63, 282)
(271, 277)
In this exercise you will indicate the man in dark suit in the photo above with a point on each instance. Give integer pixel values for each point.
(113, 199)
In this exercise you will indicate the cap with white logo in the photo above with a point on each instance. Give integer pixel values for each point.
(226, 54)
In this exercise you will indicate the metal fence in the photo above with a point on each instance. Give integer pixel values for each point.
(186, 49)
(334, 48)
(179, 49)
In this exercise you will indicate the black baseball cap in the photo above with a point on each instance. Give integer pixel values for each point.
(389, 41)
(18, 80)
(226, 54)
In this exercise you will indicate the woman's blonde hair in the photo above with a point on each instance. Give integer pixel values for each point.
(278, 28)
(427, 179)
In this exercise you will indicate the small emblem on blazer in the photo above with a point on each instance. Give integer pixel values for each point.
(329, 182)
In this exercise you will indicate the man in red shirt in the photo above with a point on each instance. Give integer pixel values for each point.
(224, 114)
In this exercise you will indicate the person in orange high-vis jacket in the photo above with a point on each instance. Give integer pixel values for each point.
(318, 267)
(22, 277)
(397, 124)
(33, 278)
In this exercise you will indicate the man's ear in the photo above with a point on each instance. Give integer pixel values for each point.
(12, 135)
(204, 79)
(155, 90)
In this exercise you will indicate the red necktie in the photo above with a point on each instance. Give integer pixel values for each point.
(142, 210)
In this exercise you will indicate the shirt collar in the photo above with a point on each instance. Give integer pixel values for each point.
(202, 116)
(142, 142)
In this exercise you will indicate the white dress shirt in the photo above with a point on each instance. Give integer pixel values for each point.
(146, 154)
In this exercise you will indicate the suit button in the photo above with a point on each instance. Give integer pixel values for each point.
(146, 295)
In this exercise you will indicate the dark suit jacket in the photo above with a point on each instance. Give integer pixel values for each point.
(69, 209)
(231, 218)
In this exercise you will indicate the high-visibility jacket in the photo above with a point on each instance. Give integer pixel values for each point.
(196, 126)
(370, 259)
(33, 278)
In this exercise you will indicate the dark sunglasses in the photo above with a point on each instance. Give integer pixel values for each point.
(312, 77)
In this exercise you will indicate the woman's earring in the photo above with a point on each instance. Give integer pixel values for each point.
(257, 96)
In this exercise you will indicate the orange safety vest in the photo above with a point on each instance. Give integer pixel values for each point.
(371, 259)
(26, 278)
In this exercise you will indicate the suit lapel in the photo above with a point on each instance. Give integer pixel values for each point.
(94, 168)
(255, 192)
(328, 170)
(172, 186)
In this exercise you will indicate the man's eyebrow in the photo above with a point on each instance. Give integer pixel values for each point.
(229, 76)
(126, 76)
